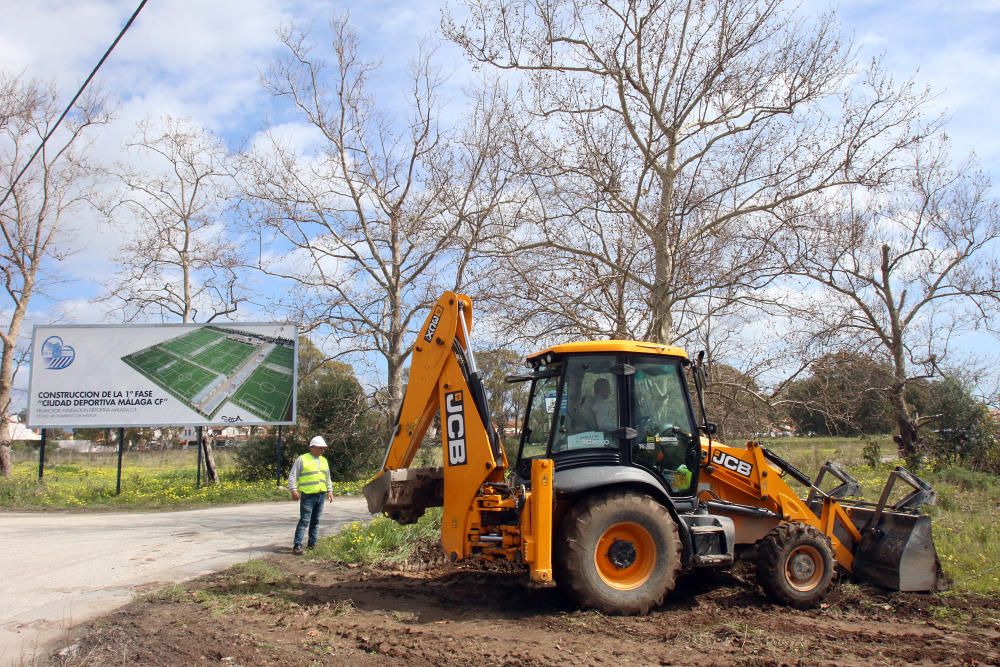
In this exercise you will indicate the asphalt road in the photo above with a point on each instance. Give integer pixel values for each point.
(59, 570)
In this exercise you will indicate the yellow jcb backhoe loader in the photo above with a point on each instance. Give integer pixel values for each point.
(618, 486)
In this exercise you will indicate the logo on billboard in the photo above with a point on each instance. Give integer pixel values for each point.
(56, 354)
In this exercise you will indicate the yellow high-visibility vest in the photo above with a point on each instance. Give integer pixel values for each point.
(312, 479)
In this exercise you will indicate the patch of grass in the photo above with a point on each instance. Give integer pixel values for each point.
(259, 572)
(965, 534)
(349, 488)
(381, 540)
(256, 585)
(808, 454)
(220, 604)
(150, 480)
(74, 487)
(966, 480)
(948, 614)
(172, 593)
(345, 607)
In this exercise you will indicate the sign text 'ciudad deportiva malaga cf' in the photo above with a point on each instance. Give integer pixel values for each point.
(153, 375)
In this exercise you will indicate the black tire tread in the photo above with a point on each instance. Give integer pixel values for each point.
(574, 551)
(770, 568)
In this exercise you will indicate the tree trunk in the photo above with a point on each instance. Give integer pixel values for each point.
(6, 465)
(211, 473)
(907, 441)
(661, 297)
(5, 442)
(395, 388)
(7, 370)
(908, 437)
(396, 354)
(662, 325)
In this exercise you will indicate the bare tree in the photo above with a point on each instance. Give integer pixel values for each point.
(904, 270)
(668, 145)
(34, 221)
(179, 261)
(378, 218)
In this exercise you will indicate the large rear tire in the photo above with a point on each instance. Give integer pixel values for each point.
(619, 553)
(795, 565)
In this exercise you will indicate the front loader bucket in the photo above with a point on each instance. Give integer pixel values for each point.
(898, 553)
(897, 549)
(403, 495)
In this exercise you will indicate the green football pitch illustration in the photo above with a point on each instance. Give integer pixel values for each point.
(208, 367)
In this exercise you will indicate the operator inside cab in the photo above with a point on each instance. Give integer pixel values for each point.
(602, 412)
(588, 414)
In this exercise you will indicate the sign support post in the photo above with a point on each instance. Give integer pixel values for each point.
(279, 450)
(197, 482)
(121, 449)
(41, 457)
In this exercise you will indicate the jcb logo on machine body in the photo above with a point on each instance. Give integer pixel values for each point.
(433, 326)
(729, 461)
(455, 428)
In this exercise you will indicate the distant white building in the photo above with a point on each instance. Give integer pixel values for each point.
(19, 432)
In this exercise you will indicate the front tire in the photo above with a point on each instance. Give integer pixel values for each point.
(620, 553)
(795, 565)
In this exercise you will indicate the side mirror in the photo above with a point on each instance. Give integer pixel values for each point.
(709, 428)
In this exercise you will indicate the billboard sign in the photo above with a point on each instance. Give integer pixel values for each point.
(163, 374)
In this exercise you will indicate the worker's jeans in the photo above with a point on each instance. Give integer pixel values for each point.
(310, 509)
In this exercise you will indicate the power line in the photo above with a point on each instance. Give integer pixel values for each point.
(79, 92)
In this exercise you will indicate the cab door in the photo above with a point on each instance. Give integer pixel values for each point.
(666, 438)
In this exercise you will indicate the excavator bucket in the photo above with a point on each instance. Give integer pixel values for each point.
(896, 549)
(404, 494)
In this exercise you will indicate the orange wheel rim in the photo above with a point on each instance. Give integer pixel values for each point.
(804, 568)
(625, 556)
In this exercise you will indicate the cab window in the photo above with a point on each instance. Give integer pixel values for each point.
(588, 408)
(665, 432)
(539, 421)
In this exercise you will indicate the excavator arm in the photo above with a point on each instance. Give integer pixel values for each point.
(482, 515)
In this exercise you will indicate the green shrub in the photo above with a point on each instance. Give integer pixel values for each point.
(255, 460)
(872, 452)
(964, 432)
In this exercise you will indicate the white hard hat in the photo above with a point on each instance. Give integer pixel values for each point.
(318, 441)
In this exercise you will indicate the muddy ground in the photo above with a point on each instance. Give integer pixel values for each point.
(299, 612)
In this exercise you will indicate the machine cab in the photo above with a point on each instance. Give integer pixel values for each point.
(608, 403)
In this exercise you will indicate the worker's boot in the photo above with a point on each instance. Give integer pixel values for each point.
(297, 551)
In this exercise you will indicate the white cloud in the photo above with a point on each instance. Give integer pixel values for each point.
(300, 138)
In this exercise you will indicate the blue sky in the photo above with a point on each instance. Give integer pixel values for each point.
(953, 47)
(203, 59)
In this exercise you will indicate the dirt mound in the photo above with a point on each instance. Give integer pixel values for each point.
(309, 612)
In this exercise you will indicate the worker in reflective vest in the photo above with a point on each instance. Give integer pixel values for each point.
(310, 484)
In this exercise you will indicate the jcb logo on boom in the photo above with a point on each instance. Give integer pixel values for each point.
(455, 428)
(732, 463)
(433, 326)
